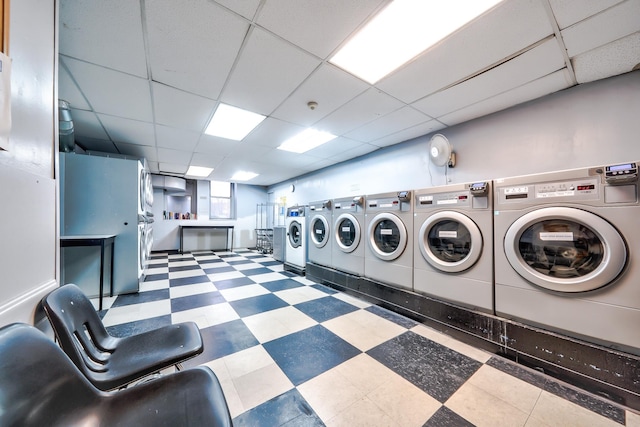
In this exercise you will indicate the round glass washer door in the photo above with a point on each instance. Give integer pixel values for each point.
(319, 231)
(450, 241)
(565, 249)
(347, 232)
(295, 234)
(387, 236)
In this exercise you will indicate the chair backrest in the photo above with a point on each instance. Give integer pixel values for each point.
(40, 386)
(79, 329)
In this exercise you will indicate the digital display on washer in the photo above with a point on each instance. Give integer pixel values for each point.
(621, 167)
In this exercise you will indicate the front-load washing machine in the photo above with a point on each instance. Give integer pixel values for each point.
(389, 224)
(453, 244)
(348, 249)
(320, 238)
(295, 254)
(566, 253)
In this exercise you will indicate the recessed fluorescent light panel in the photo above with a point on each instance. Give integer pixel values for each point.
(243, 176)
(401, 31)
(199, 171)
(232, 122)
(306, 140)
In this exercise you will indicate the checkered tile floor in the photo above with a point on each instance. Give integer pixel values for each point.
(292, 352)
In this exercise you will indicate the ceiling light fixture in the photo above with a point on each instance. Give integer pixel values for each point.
(401, 31)
(306, 140)
(243, 176)
(199, 171)
(232, 122)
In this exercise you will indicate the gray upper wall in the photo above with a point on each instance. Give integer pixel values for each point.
(588, 125)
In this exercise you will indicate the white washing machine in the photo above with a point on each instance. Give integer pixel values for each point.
(320, 238)
(566, 253)
(295, 253)
(348, 249)
(389, 224)
(453, 244)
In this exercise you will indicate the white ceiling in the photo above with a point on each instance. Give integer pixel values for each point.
(144, 77)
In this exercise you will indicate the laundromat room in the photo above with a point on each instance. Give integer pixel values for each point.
(320, 213)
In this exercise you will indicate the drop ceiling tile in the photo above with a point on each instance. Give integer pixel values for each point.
(610, 25)
(271, 133)
(86, 124)
(172, 168)
(112, 92)
(129, 131)
(334, 147)
(360, 150)
(568, 12)
(409, 133)
(207, 160)
(175, 157)
(193, 45)
(318, 27)
(141, 151)
(403, 118)
(153, 166)
(363, 109)
(178, 139)
(531, 65)
(91, 144)
(503, 31)
(618, 57)
(535, 89)
(329, 86)
(259, 82)
(283, 158)
(174, 107)
(104, 33)
(248, 152)
(246, 8)
(68, 91)
(213, 145)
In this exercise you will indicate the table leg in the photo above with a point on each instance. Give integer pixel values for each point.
(101, 275)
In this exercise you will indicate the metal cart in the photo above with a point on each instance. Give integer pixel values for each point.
(268, 215)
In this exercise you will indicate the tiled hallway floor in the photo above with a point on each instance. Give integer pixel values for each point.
(291, 352)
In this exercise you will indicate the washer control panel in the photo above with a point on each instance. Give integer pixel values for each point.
(621, 174)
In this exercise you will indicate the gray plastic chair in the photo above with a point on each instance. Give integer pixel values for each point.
(42, 387)
(111, 362)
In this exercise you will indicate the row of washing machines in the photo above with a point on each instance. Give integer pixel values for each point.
(556, 250)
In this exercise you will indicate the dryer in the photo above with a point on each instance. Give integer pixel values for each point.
(320, 238)
(389, 244)
(347, 253)
(295, 254)
(453, 244)
(566, 253)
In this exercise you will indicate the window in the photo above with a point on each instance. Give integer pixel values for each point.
(222, 206)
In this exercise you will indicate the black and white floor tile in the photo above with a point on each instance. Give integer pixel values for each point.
(292, 352)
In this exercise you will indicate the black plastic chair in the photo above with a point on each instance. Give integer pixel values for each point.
(110, 362)
(42, 387)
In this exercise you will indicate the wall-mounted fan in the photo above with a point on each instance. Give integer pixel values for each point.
(440, 151)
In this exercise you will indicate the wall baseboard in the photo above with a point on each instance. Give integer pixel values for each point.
(25, 307)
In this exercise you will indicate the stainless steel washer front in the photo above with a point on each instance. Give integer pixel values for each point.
(347, 232)
(565, 249)
(450, 241)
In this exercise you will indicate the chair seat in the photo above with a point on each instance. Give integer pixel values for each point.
(110, 362)
(139, 355)
(41, 386)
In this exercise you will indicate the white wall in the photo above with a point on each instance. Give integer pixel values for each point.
(592, 124)
(28, 237)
